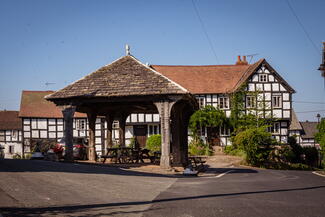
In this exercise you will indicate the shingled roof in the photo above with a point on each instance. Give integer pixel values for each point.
(310, 129)
(9, 120)
(124, 77)
(295, 124)
(34, 105)
(209, 79)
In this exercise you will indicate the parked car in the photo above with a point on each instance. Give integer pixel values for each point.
(2, 152)
(80, 146)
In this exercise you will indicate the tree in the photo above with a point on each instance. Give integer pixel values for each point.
(256, 143)
(208, 116)
(320, 135)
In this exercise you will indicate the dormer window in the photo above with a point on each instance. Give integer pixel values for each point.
(262, 78)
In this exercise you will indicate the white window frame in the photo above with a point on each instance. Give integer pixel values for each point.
(263, 78)
(115, 125)
(223, 102)
(14, 134)
(201, 101)
(276, 101)
(81, 124)
(250, 102)
(224, 131)
(153, 129)
(275, 128)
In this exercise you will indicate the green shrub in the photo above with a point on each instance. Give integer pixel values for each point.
(311, 156)
(154, 143)
(256, 143)
(27, 156)
(16, 156)
(198, 147)
(299, 166)
(296, 149)
(232, 150)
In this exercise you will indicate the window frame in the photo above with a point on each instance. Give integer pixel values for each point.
(225, 102)
(201, 101)
(276, 101)
(80, 124)
(275, 128)
(250, 99)
(263, 78)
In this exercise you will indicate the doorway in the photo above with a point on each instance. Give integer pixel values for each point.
(140, 134)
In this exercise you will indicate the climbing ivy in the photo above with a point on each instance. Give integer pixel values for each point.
(208, 116)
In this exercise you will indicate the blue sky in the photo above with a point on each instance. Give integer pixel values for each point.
(60, 41)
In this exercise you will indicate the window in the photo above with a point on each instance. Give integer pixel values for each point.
(250, 102)
(262, 78)
(223, 103)
(200, 100)
(115, 125)
(275, 128)
(14, 134)
(153, 129)
(276, 101)
(81, 124)
(224, 131)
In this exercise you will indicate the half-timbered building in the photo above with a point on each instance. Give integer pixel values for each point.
(10, 133)
(304, 132)
(210, 84)
(214, 84)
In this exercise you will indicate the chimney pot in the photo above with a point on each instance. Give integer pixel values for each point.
(238, 60)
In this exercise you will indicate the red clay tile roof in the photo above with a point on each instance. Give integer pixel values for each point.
(204, 79)
(9, 120)
(210, 79)
(124, 77)
(33, 104)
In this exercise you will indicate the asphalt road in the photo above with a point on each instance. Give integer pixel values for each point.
(39, 188)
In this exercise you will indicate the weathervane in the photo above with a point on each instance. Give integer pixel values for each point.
(127, 49)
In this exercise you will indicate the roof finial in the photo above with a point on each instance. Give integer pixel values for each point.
(127, 49)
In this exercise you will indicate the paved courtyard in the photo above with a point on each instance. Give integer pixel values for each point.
(40, 188)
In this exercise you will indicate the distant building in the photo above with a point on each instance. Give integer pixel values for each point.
(303, 131)
(10, 133)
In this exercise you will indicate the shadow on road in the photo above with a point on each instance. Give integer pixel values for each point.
(13, 165)
(17, 211)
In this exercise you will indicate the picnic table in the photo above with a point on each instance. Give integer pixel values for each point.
(128, 155)
(197, 161)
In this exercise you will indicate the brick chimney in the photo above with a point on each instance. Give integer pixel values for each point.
(238, 60)
(241, 62)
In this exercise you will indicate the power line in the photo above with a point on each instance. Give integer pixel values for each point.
(311, 111)
(307, 102)
(303, 28)
(205, 31)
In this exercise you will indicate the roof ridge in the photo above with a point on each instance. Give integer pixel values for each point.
(47, 96)
(38, 91)
(199, 65)
(158, 73)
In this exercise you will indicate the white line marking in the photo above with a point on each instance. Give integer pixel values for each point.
(222, 174)
(318, 174)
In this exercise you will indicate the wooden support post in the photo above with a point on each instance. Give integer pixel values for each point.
(164, 109)
(92, 144)
(109, 133)
(122, 119)
(68, 113)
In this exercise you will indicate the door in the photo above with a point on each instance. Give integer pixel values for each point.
(140, 134)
